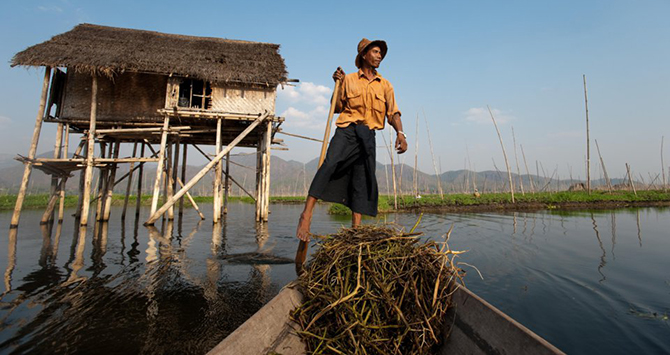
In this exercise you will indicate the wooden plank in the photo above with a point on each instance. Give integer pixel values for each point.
(201, 173)
(33, 148)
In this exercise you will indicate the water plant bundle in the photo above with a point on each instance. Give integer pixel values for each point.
(376, 290)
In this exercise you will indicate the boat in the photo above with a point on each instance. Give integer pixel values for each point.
(473, 327)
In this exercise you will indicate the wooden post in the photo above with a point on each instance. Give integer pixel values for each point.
(140, 175)
(129, 185)
(110, 184)
(190, 198)
(57, 147)
(588, 142)
(82, 179)
(265, 207)
(175, 168)
(88, 175)
(602, 162)
(183, 177)
(152, 219)
(168, 181)
(665, 182)
(33, 148)
(259, 177)
(159, 168)
(430, 144)
(102, 183)
(226, 185)
(509, 172)
(64, 153)
(217, 176)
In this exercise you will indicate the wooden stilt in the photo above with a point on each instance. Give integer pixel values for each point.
(129, 185)
(110, 184)
(64, 153)
(259, 174)
(91, 151)
(265, 212)
(175, 165)
(82, 179)
(217, 177)
(159, 169)
(102, 183)
(33, 148)
(190, 198)
(183, 177)
(57, 146)
(168, 181)
(140, 175)
(204, 170)
(226, 185)
(53, 198)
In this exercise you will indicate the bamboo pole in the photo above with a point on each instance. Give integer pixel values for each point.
(509, 172)
(416, 159)
(159, 168)
(110, 184)
(130, 183)
(265, 207)
(168, 180)
(183, 177)
(602, 162)
(516, 158)
(190, 198)
(64, 153)
(88, 175)
(532, 185)
(53, 198)
(393, 177)
(432, 155)
(57, 147)
(82, 179)
(226, 185)
(16, 216)
(217, 176)
(140, 174)
(326, 135)
(665, 182)
(102, 183)
(152, 219)
(630, 179)
(588, 142)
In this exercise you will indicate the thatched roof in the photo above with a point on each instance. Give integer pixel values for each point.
(112, 50)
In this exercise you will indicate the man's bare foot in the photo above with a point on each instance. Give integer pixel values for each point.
(303, 227)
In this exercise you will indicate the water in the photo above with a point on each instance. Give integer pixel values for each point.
(596, 283)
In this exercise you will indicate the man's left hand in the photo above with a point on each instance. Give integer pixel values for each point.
(400, 144)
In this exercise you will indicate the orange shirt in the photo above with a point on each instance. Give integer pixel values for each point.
(365, 101)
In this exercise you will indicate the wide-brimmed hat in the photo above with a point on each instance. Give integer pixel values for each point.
(363, 46)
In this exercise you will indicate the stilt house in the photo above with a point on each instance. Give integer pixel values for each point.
(159, 93)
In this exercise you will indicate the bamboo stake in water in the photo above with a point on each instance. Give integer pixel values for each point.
(516, 158)
(416, 160)
(509, 172)
(432, 155)
(532, 186)
(588, 143)
(602, 162)
(665, 186)
(630, 179)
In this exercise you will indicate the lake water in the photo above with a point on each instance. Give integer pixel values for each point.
(589, 282)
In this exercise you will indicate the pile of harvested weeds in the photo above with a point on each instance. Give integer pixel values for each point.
(376, 290)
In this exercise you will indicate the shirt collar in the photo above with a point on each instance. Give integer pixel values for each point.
(377, 75)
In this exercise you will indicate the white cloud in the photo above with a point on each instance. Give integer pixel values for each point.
(312, 119)
(306, 93)
(481, 115)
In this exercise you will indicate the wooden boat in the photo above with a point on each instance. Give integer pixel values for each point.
(476, 328)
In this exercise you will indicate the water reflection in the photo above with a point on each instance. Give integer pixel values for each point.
(157, 290)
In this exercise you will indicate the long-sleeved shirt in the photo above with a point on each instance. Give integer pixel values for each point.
(365, 101)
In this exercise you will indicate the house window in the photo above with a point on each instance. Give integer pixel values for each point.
(195, 94)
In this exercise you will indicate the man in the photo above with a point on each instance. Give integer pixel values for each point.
(347, 175)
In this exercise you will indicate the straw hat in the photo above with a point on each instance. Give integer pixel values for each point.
(363, 46)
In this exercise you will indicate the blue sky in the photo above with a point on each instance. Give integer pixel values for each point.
(447, 60)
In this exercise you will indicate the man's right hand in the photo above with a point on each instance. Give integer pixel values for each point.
(338, 74)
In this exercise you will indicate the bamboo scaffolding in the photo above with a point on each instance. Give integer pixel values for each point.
(509, 172)
(152, 219)
(16, 216)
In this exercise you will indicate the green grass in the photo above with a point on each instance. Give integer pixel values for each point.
(492, 199)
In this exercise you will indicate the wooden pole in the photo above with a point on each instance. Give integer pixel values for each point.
(33, 148)
(190, 198)
(140, 175)
(665, 182)
(159, 168)
(518, 170)
(265, 212)
(168, 181)
(602, 162)
(57, 147)
(152, 219)
(82, 179)
(509, 172)
(217, 176)
(532, 185)
(64, 153)
(88, 175)
(175, 166)
(432, 155)
(630, 179)
(416, 159)
(259, 174)
(183, 177)
(226, 185)
(395, 188)
(102, 183)
(331, 112)
(110, 184)
(588, 142)
(129, 184)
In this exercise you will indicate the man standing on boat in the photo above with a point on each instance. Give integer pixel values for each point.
(347, 175)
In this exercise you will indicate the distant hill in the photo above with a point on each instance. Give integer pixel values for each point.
(293, 178)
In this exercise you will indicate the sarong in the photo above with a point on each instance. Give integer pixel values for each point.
(347, 175)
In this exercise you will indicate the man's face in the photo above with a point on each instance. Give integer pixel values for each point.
(373, 57)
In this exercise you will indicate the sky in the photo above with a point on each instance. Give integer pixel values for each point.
(447, 60)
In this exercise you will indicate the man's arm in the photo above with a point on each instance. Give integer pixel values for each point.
(401, 141)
